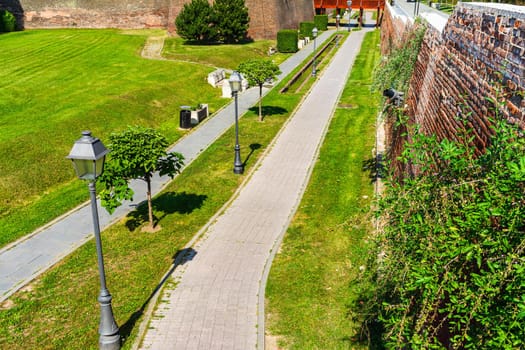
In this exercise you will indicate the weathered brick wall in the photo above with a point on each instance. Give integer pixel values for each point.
(267, 16)
(480, 51)
(95, 13)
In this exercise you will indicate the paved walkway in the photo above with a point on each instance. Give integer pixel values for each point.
(27, 258)
(218, 301)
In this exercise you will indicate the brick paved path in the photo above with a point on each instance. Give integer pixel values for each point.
(215, 303)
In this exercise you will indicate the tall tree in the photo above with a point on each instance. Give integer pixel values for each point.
(231, 20)
(136, 153)
(195, 21)
(257, 71)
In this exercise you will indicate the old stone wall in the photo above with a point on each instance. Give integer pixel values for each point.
(479, 54)
(267, 16)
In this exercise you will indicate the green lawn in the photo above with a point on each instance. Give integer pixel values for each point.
(56, 83)
(59, 310)
(314, 278)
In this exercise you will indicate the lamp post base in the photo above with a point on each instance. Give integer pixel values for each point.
(238, 167)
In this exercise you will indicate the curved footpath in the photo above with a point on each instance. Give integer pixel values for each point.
(217, 300)
(27, 258)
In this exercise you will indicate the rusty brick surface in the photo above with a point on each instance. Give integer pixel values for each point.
(480, 55)
(267, 17)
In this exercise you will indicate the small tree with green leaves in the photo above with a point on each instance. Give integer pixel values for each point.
(257, 71)
(195, 21)
(136, 153)
(231, 19)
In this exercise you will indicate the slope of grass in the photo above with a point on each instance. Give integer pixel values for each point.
(56, 83)
(312, 280)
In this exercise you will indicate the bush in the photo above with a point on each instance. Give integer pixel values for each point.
(7, 21)
(453, 249)
(231, 20)
(305, 29)
(321, 22)
(225, 21)
(287, 40)
(194, 22)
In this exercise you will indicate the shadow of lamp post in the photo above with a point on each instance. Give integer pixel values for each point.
(314, 68)
(349, 5)
(235, 85)
(88, 155)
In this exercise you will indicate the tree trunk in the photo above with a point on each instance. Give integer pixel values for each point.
(260, 102)
(150, 208)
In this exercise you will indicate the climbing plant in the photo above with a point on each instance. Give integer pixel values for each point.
(395, 70)
(451, 266)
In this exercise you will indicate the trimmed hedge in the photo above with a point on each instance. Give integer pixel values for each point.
(7, 21)
(305, 29)
(287, 40)
(321, 22)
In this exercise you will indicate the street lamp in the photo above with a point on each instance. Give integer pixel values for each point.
(88, 155)
(349, 5)
(337, 19)
(314, 34)
(235, 85)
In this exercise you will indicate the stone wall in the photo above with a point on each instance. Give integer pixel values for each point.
(267, 16)
(479, 54)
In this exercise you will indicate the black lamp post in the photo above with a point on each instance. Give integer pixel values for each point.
(349, 5)
(88, 155)
(235, 85)
(314, 34)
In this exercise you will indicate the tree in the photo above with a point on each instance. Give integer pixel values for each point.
(195, 21)
(231, 20)
(136, 153)
(257, 71)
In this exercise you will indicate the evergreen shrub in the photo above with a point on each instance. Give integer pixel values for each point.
(7, 21)
(321, 22)
(305, 29)
(287, 40)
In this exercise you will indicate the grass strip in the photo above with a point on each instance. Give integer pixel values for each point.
(313, 280)
(60, 310)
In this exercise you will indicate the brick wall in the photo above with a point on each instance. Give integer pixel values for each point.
(267, 16)
(481, 50)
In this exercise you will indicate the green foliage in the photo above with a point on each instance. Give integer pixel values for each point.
(452, 267)
(305, 29)
(136, 153)
(321, 22)
(257, 72)
(287, 40)
(226, 21)
(231, 20)
(7, 21)
(396, 69)
(195, 22)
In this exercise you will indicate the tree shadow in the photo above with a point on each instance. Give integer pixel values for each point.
(268, 110)
(375, 167)
(253, 148)
(180, 258)
(167, 203)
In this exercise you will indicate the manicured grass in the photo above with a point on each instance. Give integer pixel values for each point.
(313, 280)
(56, 83)
(176, 48)
(60, 310)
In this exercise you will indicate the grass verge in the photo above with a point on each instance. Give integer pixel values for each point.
(313, 280)
(60, 311)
